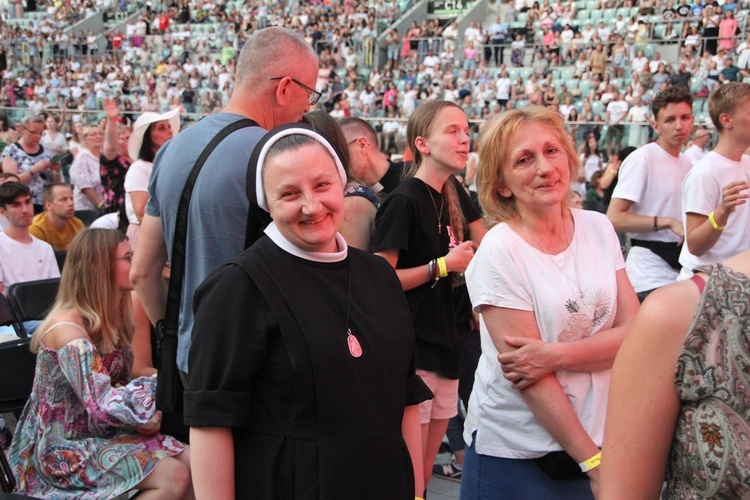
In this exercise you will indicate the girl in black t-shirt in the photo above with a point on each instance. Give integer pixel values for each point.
(420, 231)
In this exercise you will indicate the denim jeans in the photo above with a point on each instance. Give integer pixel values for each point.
(491, 478)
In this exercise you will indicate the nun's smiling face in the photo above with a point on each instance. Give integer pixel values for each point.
(305, 196)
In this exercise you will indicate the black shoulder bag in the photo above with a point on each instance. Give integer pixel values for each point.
(169, 387)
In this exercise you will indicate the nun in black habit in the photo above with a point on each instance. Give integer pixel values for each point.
(302, 381)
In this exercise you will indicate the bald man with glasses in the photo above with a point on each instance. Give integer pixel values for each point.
(276, 72)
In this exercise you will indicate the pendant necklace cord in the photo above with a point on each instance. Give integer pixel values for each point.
(442, 203)
(544, 250)
(354, 347)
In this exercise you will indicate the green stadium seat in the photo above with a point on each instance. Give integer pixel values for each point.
(567, 73)
(585, 86)
(699, 106)
(695, 84)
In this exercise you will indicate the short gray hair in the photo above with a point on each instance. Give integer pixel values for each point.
(270, 51)
(29, 119)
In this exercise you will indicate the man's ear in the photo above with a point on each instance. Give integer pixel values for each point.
(281, 94)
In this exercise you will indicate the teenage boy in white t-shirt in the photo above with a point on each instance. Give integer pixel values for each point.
(715, 192)
(647, 200)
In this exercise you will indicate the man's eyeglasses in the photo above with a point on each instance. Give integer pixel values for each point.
(313, 96)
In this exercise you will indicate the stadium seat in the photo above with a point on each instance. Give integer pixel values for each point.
(585, 86)
(696, 84)
(567, 73)
(699, 105)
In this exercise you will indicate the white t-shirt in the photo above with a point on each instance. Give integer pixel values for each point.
(56, 145)
(136, 179)
(592, 165)
(695, 154)
(507, 272)
(701, 194)
(503, 86)
(21, 262)
(652, 179)
(617, 111)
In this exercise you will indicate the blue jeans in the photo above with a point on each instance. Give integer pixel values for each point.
(490, 478)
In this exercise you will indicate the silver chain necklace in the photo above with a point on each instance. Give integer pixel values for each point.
(442, 202)
(544, 250)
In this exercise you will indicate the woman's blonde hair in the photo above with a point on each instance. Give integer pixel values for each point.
(494, 147)
(88, 288)
(420, 125)
(87, 130)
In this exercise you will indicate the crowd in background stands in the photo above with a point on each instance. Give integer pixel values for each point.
(182, 54)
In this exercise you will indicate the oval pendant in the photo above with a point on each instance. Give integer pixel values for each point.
(354, 348)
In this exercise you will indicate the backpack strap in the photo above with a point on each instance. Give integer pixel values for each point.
(174, 295)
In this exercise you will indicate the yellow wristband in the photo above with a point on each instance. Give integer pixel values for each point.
(443, 267)
(612, 171)
(713, 222)
(591, 463)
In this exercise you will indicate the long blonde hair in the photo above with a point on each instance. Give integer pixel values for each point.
(87, 287)
(420, 125)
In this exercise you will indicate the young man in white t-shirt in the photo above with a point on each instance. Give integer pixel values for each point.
(647, 200)
(22, 256)
(715, 192)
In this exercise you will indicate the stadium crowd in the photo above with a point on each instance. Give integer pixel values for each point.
(182, 55)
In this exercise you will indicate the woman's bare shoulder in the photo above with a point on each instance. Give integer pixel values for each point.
(64, 328)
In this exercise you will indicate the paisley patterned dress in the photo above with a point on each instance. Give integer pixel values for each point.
(710, 455)
(76, 437)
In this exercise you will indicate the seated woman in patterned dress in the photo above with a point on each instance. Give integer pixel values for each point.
(88, 430)
(679, 405)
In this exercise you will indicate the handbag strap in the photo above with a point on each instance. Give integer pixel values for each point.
(174, 293)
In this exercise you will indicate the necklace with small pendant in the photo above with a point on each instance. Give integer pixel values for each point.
(440, 214)
(551, 257)
(355, 349)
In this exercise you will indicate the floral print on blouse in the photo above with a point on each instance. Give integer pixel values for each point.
(711, 446)
(77, 435)
(25, 162)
